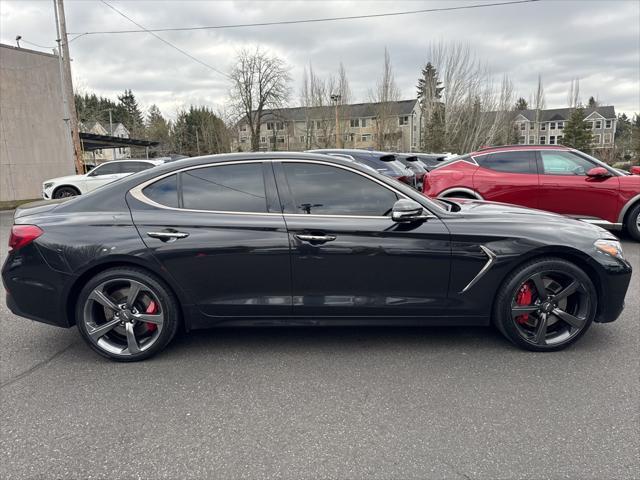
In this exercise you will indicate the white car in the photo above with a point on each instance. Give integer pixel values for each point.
(101, 175)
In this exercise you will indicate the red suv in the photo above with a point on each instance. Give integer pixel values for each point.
(554, 178)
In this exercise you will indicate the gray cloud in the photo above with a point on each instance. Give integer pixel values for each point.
(597, 42)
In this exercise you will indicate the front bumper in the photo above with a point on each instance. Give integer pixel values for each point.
(614, 278)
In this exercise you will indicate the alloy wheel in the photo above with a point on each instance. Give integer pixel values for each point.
(550, 308)
(123, 317)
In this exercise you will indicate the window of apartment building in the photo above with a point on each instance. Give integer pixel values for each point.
(279, 126)
(598, 124)
(559, 139)
(597, 138)
(607, 138)
(263, 139)
(543, 126)
(532, 140)
(552, 125)
(608, 123)
(521, 140)
(523, 126)
(543, 140)
(364, 122)
(243, 128)
(302, 139)
(365, 137)
(318, 124)
(552, 140)
(354, 122)
(403, 120)
(269, 125)
(560, 125)
(280, 140)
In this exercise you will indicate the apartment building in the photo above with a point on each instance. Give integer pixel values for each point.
(548, 129)
(304, 128)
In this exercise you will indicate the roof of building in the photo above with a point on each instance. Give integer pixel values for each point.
(607, 111)
(301, 114)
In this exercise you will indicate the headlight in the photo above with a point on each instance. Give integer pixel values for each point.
(610, 247)
(48, 185)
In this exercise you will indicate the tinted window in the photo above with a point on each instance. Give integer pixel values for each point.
(510, 162)
(108, 168)
(326, 190)
(164, 192)
(132, 167)
(564, 163)
(231, 188)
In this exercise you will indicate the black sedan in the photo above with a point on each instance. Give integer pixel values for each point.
(301, 239)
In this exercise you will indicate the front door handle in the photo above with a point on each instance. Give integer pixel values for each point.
(316, 238)
(168, 236)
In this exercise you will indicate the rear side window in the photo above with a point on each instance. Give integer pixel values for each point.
(509, 162)
(164, 192)
(229, 188)
(132, 167)
(109, 168)
(326, 190)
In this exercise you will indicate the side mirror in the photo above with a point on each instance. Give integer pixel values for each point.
(598, 172)
(406, 210)
(635, 170)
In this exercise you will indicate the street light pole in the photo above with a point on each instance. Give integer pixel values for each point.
(61, 26)
(336, 98)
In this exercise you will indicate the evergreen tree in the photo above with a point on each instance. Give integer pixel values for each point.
(521, 104)
(433, 124)
(199, 131)
(429, 86)
(576, 132)
(128, 108)
(158, 130)
(592, 102)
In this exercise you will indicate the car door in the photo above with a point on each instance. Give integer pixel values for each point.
(508, 177)
(566, 188)
(102, 174)
(218, 230)
(348, 258)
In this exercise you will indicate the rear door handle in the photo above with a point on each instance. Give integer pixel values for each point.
(170, 236)
(316, 238)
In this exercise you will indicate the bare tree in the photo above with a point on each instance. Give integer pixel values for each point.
(259, 81)
(573, 96)
(384, 96)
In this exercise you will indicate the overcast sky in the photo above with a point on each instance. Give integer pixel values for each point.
(596, 41)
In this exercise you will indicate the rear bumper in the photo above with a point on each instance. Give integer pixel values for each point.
(33, 289)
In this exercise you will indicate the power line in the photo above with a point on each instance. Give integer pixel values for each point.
(310, 20)
(187, 54)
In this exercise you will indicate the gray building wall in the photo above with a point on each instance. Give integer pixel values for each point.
(34, 142)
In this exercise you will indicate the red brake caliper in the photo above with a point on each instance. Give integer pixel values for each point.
(151, 309)
(524, 297)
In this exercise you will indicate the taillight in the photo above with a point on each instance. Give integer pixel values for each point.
(22, 235)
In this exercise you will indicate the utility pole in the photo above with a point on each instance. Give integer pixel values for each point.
(62, 40)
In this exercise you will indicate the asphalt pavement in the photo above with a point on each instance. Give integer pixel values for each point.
(343, 403)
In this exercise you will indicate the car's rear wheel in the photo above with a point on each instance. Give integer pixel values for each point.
(127, 314)
(64, 192)
(546, 305)
(633, 222)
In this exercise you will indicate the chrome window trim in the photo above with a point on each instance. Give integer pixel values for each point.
(136, 192)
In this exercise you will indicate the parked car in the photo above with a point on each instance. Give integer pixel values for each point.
(97, 176)
(383, 162)
(553, 178)
(430, 160)
(284, 238)
(414, 164)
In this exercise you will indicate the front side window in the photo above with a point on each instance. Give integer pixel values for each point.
(110, 168)
(230, 188)
(564, 163)
(510, 162)
(327, 190)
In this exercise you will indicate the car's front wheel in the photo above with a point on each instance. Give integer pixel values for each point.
(127, 314)
(633, 222)
(64, 192)
(545, 305)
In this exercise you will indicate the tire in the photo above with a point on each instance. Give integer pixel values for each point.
(64, 192)
(632, 223)
(122, 329)
(529, 320)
